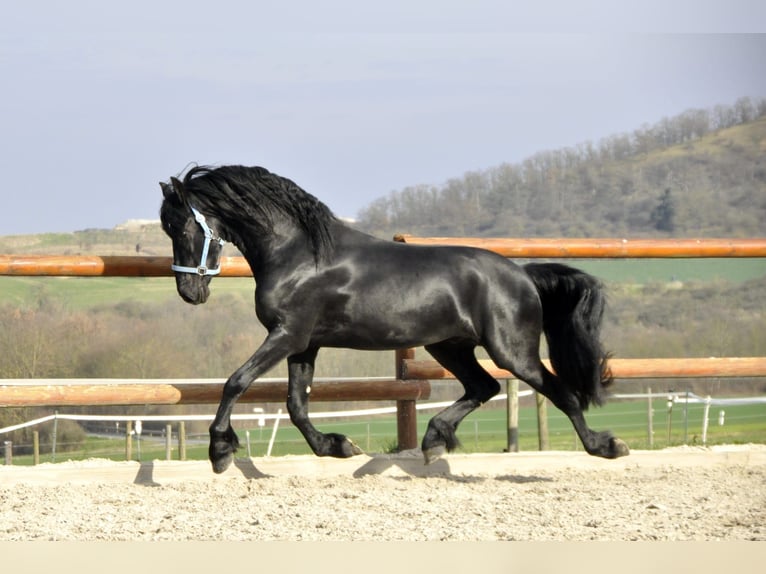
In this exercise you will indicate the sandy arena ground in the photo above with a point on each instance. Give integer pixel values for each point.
(677, 494)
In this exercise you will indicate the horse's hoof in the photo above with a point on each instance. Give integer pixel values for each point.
(619, 448)
(350, 448)
(338, 446)
(431, 455)
(221, 464)
(221, 455)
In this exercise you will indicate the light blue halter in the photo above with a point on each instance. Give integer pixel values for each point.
(202, 269)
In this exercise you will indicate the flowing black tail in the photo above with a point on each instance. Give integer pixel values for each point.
(573, 304)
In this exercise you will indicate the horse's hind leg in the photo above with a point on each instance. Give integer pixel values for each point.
(596, 443)
(300, 375)
(458, 357)
(528, 367)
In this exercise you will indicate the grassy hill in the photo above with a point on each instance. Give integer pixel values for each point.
(128, 239)
(147, 239)
(663, 180)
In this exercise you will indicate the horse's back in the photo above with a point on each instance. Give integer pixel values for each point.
(468, 267)
(412, 295)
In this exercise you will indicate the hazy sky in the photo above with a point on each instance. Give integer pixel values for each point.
(99, 103)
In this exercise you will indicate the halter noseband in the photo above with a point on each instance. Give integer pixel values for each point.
(202, 269)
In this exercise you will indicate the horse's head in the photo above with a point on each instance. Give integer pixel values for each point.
(196, 246)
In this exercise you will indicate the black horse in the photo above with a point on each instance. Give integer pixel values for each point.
(320, 283)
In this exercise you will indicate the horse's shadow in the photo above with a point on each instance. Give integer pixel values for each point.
(412, 467)
(415, 467)
(520, 479)
(145, 475)
(248, 469)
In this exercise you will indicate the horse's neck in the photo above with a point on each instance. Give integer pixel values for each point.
(346, 237)
(265, 253)
(289, 248)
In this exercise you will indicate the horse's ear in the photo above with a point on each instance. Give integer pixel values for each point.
(178, 187)
(167, 191)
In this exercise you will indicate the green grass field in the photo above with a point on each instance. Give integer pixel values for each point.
(482, 431)
(90, 292)
(642, 271)
(485, 429)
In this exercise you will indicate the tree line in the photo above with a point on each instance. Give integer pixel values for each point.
(700, 173)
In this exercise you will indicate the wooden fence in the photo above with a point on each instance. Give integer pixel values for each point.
(602, 248)
(144, 266)
(411, 376)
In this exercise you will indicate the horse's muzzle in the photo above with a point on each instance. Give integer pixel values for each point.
(192, 288)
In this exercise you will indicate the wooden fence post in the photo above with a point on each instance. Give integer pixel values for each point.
(35, 447)
(650, 418)
(181, 440)
(8, 452)
(542, 421)
(168, 438)
(129, 440)
(54, 437)
(406, 413)
(671, 401)
(512, 389)
(705, 420)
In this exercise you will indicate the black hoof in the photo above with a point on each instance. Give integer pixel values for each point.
(609, 446)
(618, 448)
(350, 449)
(439, 438)
(222, 449)
(340, 446)
(221, 461)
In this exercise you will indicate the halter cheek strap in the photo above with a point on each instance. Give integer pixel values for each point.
(202, 269)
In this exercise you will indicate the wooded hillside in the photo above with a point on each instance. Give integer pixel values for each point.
(701, 173)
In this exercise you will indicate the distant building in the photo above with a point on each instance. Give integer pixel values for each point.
(137, 224)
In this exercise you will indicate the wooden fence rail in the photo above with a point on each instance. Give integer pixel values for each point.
(84, 392)
(674, 368)
(144, 266)
(95, 392)
(105, 266)
(610, 248)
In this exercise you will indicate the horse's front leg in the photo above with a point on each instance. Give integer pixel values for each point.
(223, 439)
(301, 374)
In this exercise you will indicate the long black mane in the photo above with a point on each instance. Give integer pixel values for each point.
(255, 198)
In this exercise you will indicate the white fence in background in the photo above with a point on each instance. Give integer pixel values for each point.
(672, 398)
